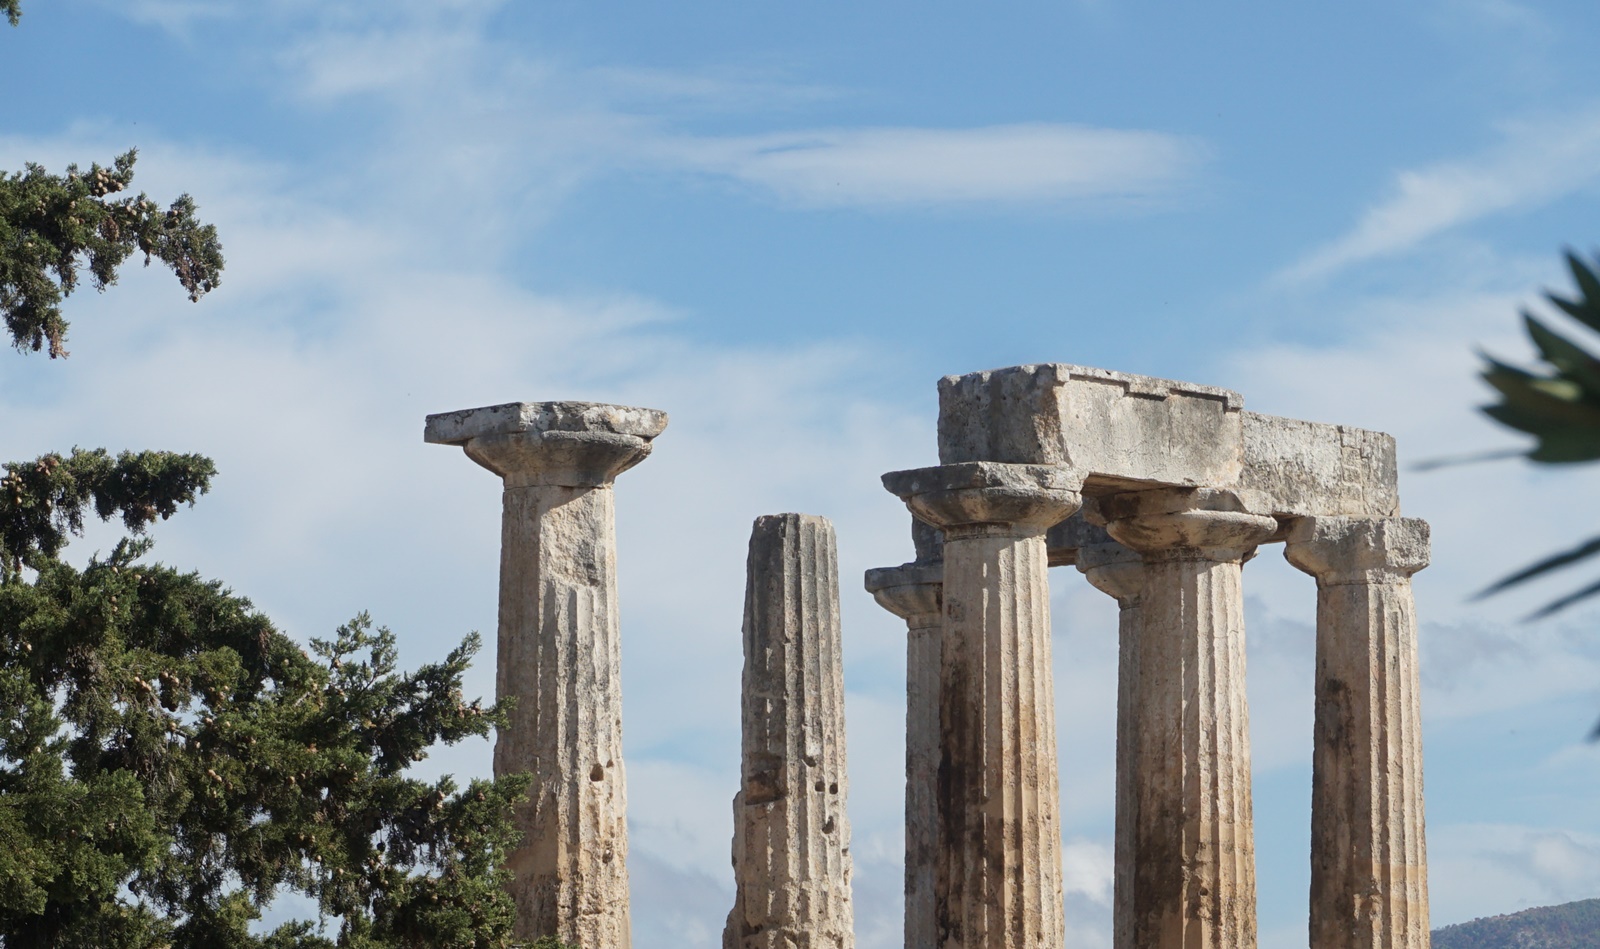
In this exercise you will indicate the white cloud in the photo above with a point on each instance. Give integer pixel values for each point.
(1536, 162)
(1489, 869)
(1087, 870)
(471, 100)
(306, 377)
(1032, 164)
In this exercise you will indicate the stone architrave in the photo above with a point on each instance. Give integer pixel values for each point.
(1194, 883)
(914, 592)
(559, 651)
(791, 852)
(1369, 865)
(998, 882)
(1119, 572)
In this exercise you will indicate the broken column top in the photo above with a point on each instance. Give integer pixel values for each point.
(510, 418)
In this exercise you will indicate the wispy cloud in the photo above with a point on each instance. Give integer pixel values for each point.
(906, 166)
(1535, 162)
(474, 96)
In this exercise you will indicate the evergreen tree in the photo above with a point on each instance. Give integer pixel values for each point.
(54, 226)
(170, 762)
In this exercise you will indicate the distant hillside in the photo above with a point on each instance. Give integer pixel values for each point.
(1569, 926)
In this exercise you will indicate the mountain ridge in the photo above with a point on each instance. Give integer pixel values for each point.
(1566, 926)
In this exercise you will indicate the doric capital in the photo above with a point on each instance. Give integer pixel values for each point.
(984, 497)
(1180, 523)
(1114, 570)
(572, 444)
(1339, 550)
(913, 591)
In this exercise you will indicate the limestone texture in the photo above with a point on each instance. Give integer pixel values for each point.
(1369, 873)
(1308, 468)
(998, 879)
(1126, 432)
(1194, 884)
(1119, 572)
(559, 652)
(1179, 485)
(1114, 428)
(791, 850)
(914, 592)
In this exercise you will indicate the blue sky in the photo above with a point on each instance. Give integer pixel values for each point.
(782, 225)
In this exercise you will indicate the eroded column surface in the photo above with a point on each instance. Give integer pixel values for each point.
(1118, 571)
(1369, 862)
(791, 854)
(914, 592)
(998, 876)
(559, 651)
(1194, 884)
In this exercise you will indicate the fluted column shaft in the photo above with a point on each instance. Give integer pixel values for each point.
(792, 836)
(560, 658)
(1194, 883)
(1369, 863)
(1119, 572)
(914, 592)
(559, 653)
(998, 881)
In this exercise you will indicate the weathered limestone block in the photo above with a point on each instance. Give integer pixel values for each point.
(1308, 468)
(1369, 862)
(998, 880)
(1126, 433)
(791, 835)
(1119, 572)
(559, 651)
(1194, 851)
(914, 592)
(1115, 429)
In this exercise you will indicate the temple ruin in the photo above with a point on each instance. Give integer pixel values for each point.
(1157, 492)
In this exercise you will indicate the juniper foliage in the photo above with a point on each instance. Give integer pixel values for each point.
(170, 762)
(54, 226)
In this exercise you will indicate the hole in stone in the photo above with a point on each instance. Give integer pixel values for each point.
(827, 827)
(596, 773)
(833, 788)
(819, 785)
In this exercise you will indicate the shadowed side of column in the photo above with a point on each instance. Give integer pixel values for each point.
(1194, 883)
(1118, 572)
(998, 879)
(914, 592)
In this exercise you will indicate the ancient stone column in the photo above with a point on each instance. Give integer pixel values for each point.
(1194, 884)
(791, 854)
(559, 651)
(998, 882)
(914, 592)
(1369, 859)
(1119, 572)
